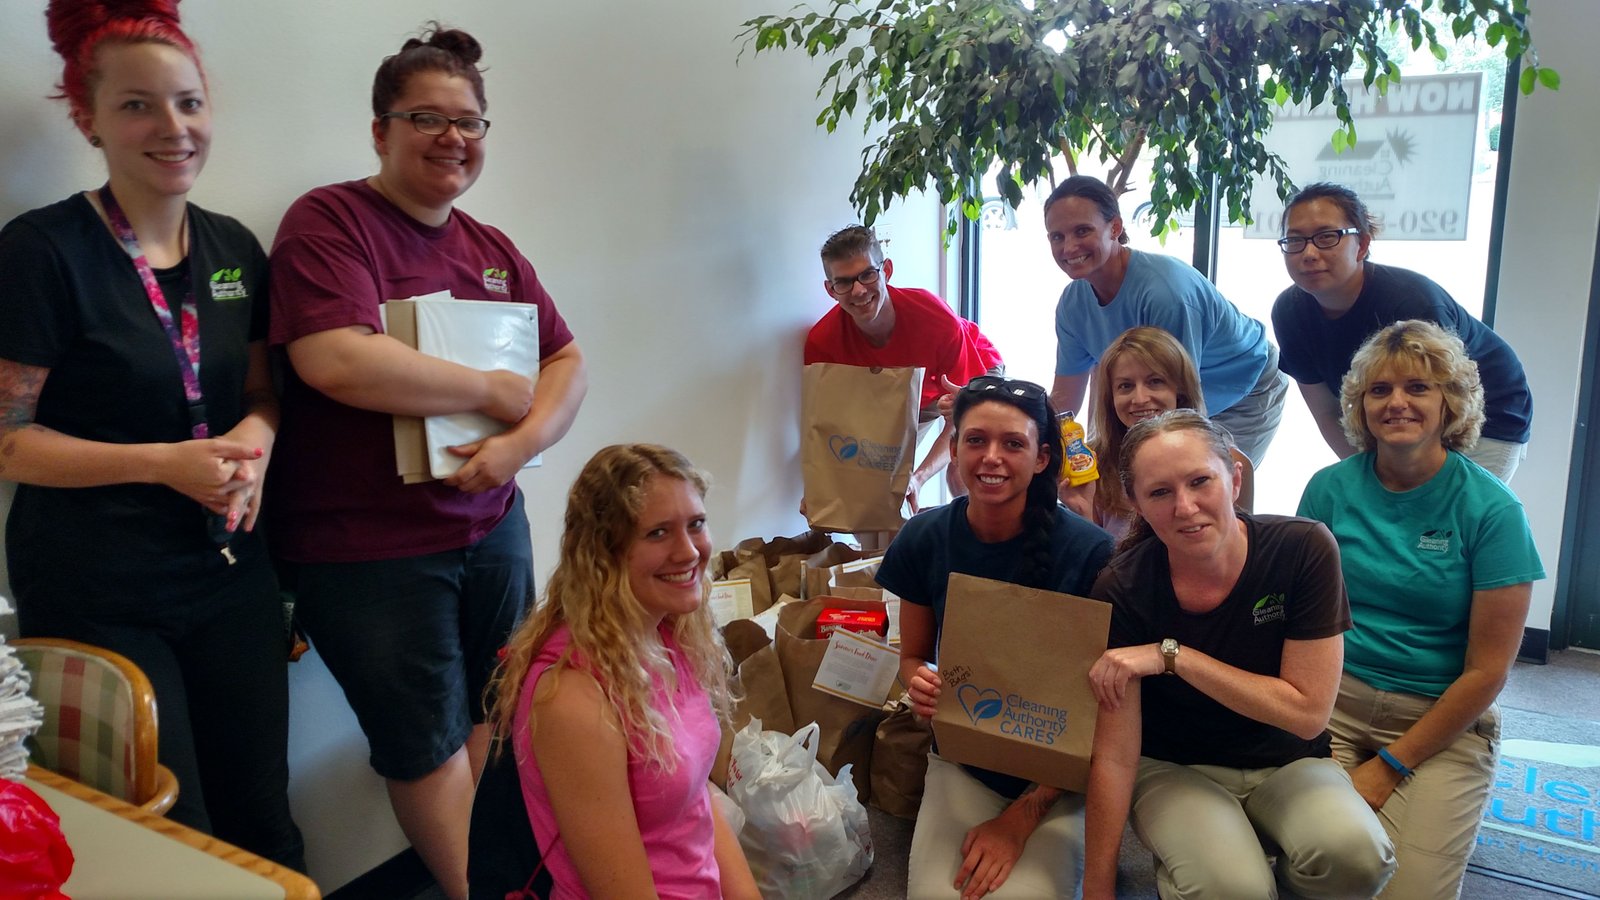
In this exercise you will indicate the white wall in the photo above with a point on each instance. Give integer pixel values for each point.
(1553, 206)
(672, 201)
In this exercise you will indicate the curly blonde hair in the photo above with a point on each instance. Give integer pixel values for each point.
(1423, 348)
(1158, 350)
(589, 593)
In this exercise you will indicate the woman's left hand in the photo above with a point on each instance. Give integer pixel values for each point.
(490, 463)
(1116, 667)
(987, 855)
(1375, 780)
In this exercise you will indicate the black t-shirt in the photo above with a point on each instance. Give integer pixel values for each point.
(1291, 588)
(935, 543)
(1315, 349)
(74, 304)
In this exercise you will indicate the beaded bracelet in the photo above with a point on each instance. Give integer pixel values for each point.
(1395, 764)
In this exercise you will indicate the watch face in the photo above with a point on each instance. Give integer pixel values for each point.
(1169, 646)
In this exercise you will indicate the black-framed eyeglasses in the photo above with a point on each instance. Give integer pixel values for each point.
(473, 128)
(1324, 240)
(843, 284)
(1014, 386)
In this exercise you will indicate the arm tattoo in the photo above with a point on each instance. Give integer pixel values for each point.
(19, 397)
(19, 394)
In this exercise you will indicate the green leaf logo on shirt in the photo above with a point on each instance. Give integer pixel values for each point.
(497, 280)
(1269, 608)
(228, 284)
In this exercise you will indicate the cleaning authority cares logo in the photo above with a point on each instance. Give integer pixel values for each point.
(1019, 716)
(868, 454)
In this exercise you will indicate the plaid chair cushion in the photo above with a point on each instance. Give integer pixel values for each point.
(88, 730)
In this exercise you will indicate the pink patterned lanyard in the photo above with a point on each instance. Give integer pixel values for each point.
(185, 334)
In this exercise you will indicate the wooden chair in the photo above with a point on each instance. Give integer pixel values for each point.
(100, 725)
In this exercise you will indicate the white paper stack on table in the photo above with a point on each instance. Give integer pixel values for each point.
(20, 714)
(479, 334)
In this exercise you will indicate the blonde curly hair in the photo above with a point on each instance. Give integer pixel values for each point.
(589, 593)
(1427, 350)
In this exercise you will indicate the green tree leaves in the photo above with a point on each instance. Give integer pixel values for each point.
(952, 88)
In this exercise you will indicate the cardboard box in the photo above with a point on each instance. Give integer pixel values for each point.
(1015, 663)
(858, 621)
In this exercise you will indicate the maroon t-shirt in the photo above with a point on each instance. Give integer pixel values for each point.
(340, 252)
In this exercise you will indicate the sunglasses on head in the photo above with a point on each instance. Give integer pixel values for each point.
(1016, 387)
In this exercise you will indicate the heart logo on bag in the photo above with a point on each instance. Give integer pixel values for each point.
(980, 703)
(843, 448)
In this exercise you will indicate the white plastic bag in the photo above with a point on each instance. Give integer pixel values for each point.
(806, 833)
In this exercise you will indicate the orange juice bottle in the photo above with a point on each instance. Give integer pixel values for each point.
(1079, 466)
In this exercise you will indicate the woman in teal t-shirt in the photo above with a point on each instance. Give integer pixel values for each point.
(1439, 563)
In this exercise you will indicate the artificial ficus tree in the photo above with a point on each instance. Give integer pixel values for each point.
(955, 87)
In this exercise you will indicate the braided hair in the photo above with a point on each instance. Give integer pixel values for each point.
(1039, 509)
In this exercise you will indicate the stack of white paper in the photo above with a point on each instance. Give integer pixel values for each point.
(481, 334)
(20, 714)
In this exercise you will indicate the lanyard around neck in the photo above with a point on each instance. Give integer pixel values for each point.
(184, 333)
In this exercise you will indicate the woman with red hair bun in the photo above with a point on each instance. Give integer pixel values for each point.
(137, 417)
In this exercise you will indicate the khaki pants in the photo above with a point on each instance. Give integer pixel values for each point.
(1212, 829)
(953, 803)
(1501, 458)
(1434, 815)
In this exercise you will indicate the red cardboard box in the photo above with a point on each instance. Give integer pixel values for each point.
(859, 621)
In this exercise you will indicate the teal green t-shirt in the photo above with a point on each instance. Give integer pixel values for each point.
(1411, 561)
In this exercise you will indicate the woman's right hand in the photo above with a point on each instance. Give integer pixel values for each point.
(1110, 674)
(510, 396)
(204, 470)
(924, 691)
(1079, 498)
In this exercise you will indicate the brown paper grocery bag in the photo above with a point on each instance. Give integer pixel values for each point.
(821, 567)
(758, 684)
(1015, 663)
(858, 440)
(783, 559)
(900, 762)
(847, 728)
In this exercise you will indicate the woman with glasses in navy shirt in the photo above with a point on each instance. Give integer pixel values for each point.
(1340, 298)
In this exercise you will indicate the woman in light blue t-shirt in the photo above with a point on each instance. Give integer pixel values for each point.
(1439, 563)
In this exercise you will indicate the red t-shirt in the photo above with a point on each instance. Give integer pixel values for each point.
(926, 333)
(342, 250)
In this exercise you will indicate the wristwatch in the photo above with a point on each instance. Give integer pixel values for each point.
(1169, 654)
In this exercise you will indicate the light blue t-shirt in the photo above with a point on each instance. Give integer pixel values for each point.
(1411, 561)
(1228, 347)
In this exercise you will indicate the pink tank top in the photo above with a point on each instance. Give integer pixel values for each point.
(673, 808)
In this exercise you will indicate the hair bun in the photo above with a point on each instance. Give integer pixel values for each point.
(457, 43)
(71, 22)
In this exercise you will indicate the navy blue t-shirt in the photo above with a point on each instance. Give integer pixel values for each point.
(938, 542)
(1315, 349)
